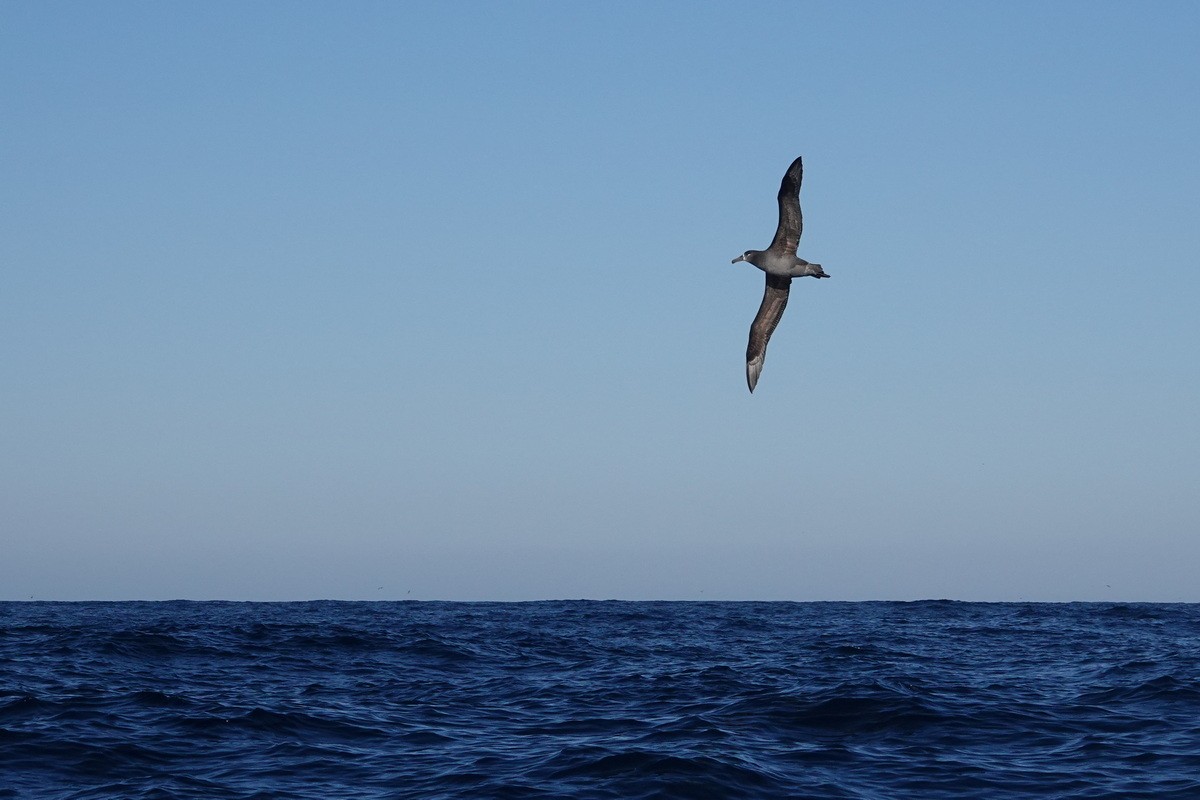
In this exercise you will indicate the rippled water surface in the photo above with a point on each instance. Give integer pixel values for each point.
(599, 700)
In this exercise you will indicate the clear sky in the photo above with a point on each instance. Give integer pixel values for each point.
(433, 300)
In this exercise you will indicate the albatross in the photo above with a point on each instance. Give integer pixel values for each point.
(780, 263)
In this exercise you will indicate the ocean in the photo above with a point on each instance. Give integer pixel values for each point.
(586, 699)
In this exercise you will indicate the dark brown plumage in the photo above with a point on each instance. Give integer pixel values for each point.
(780, 263)
(774, 301)
(791, 221)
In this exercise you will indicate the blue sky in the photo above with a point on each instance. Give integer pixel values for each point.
(391, 300)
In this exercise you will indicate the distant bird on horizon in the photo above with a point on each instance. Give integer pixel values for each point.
(780, 263)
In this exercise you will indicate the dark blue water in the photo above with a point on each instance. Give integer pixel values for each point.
(599, 700)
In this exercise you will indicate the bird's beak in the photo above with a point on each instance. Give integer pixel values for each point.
(739, 258)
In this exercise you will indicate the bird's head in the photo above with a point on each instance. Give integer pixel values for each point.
(750, 256)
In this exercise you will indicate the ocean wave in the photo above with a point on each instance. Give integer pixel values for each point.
(926, 700)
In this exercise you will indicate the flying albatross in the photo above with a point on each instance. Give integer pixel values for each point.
(780, 263)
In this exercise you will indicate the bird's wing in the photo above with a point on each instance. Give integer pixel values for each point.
(791, 221)
(774, 301)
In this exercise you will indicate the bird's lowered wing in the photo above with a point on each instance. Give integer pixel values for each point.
(791, 221)
(774, 301)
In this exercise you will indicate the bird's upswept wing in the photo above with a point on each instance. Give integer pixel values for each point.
(791, 221)
(774, 301)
